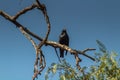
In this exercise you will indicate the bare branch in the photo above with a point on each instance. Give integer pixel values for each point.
(88, 49)
(24, 11)
(73, 51)
(44, 10)
(39, 65)
(32, 34)
(29, 38)
(6, 16)
(18, 25)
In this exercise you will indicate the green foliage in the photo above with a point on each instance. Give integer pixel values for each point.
(101, 46)
(66, 72)
(106, 68)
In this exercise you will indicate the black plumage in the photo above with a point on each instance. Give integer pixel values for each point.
(63, 39)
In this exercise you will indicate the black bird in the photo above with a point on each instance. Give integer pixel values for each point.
(63, 39)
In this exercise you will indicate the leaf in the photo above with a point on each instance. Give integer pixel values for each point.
(54, 68)
(101, 46)
(62, 77)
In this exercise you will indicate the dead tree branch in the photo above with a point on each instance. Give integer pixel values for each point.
(40, 62)
(24, 11)
(42, 8)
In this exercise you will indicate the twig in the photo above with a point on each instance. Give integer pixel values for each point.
(57, 55)
(24, 11)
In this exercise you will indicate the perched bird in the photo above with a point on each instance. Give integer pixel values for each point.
(64, 40)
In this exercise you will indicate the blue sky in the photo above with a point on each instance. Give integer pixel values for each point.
(85, 20)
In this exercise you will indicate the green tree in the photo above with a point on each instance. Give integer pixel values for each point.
(106, 68)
